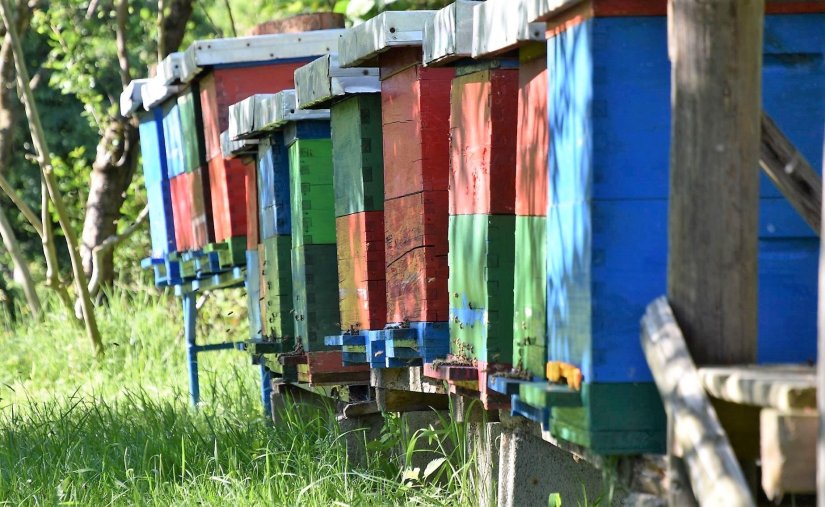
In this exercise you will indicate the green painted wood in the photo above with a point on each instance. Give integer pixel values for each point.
(481, 287)
(530, 295)
(615, 418)
(312, 198)
(278, 322)
(194, 148)
(315, 295)
(357, 154)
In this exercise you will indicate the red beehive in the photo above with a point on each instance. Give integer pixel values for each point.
(533, 136)
(483, 142)
(227, 179)
(415, 117)
(361, 270)
(252, 232)
(222, 87)
(179, 187)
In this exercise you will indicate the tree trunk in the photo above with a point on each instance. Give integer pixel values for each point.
(117, 152)
(22, 275)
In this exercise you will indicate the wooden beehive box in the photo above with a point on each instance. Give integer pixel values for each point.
(353, 98)
(415, 117)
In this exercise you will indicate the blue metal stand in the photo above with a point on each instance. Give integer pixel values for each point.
(190, 316)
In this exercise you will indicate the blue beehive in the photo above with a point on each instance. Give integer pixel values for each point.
(273, 187)
(609, 103)
(156, 178)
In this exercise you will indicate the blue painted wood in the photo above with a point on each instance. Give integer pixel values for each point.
(432, 341)
(376, 349)
(307, 129)
(539, 415)
(608, 189)
(273, 180)
(505, 385)
(152, 146)
(253, 294)
(173, 138)
(161, 222)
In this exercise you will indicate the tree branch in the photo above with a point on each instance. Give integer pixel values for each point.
(122, 12)
(24, 208)
(108, 245)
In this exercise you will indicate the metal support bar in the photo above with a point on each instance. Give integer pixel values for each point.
(218, 346)
(190, 315)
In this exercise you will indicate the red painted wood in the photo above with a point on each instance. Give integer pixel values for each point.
(415, 221)
(393, 62)
(483, 130)
(223, 87)
(202, 225)
(252, 226)
(361, 270)
(331, 362)
(227, 178)
(415, 117)
(533, 138)
(179, 187)
(417, 287)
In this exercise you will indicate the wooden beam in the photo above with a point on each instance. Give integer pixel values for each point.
(784, 387)
(791, 173)
(788, 452)
(697, 436)
(716, 54)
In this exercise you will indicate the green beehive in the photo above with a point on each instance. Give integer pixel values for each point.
(530, 295)
(481, 287)
(276, 291)
(311, 194)
(315, 295)
(194, 148)
(357, 151)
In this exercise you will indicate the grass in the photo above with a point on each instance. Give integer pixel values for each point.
(75, 430)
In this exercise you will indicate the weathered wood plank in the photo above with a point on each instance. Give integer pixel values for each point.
(791, 173)
(780, 387)
(715, 50)
(788, 451)
(696, 435)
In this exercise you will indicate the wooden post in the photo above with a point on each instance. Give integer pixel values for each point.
(716, 54)
(820, 391)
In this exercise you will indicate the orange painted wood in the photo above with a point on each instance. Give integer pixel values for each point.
(483, 133)
(222, 87)
(252, 226)
(533, 138)
(227, 178)
(361, 270)
(415, 116)
(203, 231)
(179, 187)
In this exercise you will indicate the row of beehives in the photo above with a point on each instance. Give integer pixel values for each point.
(492, 179)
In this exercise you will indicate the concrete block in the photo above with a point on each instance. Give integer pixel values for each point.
(425, 450)
(358, 432)
(484, 442)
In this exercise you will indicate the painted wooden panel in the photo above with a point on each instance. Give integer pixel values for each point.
(179, 190)
(361, 270)
(482, 251)
(315, 295)
(224, 86)
(227, 178)
(253, 293)
(173, 138)
(483, 114)
(203, 227)
(194, 151)
(417, 287)
(152, 146)
(161, 218)
(311, 192)
(357, 154)
(276, 290)
(416, 221)
(252, 227)
(415, 114)
(533, 133)
(530, 295)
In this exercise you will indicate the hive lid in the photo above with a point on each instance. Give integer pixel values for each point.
(320, 82)
(502, 25)
(231, 148)
(154, 92)
(361, 44)
(130, 98)
(170, 69)
(242, 116)
(448, 35)
(259, 48)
